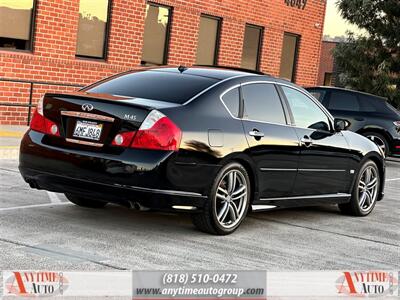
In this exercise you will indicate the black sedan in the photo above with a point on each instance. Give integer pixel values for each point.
(213, 142)
(368, 115)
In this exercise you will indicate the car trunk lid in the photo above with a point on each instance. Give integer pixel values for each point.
(93, 120)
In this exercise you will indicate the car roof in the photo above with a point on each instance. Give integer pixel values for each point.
(219, 73)
(344, 90)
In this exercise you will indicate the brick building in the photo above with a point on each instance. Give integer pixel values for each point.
(60, 45)
(326, 73)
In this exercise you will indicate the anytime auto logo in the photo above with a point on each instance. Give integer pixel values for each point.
(35, 283)
(371, 283)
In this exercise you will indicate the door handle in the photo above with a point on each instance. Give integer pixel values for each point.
(256, 133)
(306, 141)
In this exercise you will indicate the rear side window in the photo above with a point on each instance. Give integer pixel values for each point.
(163, 86)
(231, 100)
(262, 103)
(343, 101)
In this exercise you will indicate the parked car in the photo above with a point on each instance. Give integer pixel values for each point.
(368, 115)
(213, 142)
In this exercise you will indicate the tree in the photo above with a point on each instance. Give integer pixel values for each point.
(371, 63)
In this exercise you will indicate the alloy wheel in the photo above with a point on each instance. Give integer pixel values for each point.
(231, 199)
(368, 188)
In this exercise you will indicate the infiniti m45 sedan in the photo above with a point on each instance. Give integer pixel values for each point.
(210, 141)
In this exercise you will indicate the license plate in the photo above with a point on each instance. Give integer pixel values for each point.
(88, 130)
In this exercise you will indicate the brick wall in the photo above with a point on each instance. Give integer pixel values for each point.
(326, 61)
(53, 58)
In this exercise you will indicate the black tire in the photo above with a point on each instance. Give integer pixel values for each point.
(380, 140)
(85, 202)
(207, 220)
(353, 207)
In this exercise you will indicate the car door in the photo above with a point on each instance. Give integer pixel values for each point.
(274, 145)
(324, 156)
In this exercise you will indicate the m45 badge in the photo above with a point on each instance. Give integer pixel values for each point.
(130, 117)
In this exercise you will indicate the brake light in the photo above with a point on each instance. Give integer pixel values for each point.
(157, 132)
(42, 124)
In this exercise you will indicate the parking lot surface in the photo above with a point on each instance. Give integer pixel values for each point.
(41, 230)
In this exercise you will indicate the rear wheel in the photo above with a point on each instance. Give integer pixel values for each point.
(227, 203)
(365, 191)
(85, 202)
(379, 140)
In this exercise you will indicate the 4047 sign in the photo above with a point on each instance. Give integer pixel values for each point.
(300, 4)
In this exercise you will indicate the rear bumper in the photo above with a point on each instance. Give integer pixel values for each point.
(150, 178)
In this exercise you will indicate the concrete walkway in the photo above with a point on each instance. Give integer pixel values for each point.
(10, 137)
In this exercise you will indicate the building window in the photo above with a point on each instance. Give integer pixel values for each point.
(289, 56)
(93, 28)
(16, 24)
(207, 47)
(252, 47)
(156, 34)
(328, 79)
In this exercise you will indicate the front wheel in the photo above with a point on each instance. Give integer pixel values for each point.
(85, 202)
(227, 203)
(365, 191)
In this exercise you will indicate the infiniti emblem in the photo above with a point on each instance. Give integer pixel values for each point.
(87, 107)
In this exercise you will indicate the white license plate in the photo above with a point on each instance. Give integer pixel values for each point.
(88, 130)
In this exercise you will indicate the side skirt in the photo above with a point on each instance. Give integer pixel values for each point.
(264, 204)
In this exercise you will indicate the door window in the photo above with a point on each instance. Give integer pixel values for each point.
(343, 101)
(318, 94)
(262, 103)
(306, 113)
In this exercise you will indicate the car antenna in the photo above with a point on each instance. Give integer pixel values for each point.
(182, 68)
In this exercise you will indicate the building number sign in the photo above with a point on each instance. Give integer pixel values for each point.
(300, 4)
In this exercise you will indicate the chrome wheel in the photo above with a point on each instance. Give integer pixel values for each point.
(368, 188)
(378, 141)
(231, 199)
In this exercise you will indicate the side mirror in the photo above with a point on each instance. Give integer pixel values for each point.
(341, 124)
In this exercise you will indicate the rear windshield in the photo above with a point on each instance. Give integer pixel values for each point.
(163, 86)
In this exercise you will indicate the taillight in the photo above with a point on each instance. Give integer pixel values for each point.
(42, 124)
(157, 132)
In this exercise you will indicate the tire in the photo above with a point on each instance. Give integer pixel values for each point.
(85, 202)
(379, 140)
(365, 193)
(223, 215)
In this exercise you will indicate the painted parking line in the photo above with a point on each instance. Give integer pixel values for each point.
(392, 179)
(8, 133)
(53, 197)
(34, 206)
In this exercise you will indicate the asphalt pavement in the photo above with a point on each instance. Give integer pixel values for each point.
(41, 230)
